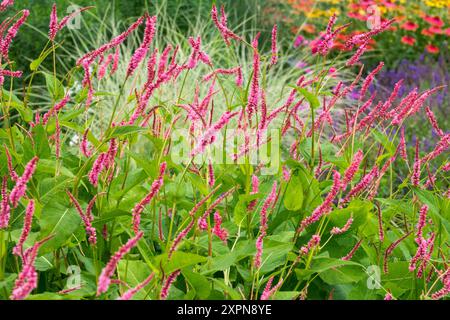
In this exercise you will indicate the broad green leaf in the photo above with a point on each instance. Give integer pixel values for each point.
(54, 87)
(293, 197)
(179, 260)
(134, 272)
(200, 283)
(59, 220)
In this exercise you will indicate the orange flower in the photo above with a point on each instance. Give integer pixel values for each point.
(432, 48)
(410, 41)
(409, 26)
(427, 32)
(309, 28)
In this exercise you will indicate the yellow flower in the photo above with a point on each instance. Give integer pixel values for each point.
(437, 3)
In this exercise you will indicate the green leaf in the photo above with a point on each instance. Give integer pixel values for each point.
(200, 283)
(293, 197)
(121, 131)
(179, 260)
(312, 98)
(134, 272)
(59, 220)
(240, 210)
(25, 113)
(54, 87)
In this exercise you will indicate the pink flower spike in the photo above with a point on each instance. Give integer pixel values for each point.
(55, 109)
(352, 252)
(28, 219)
(11, 33)
(388, 296)
(156, 186)
(218, 230)
(369, 80)
(345, 228)
(355, 58)
(402, 145)
(415, 178)
(268, 291)
(351, 170)
(53, 27)
(115, 64)
(5, 4)
(12, 172)
(170, 280)
(87, 217)
(105, 277)
(312, 243)
(97, 168)
(21, 184)
(274, 57)
(269, 202)
(139, 54)
(434, 122)
(131, 292)
(211, 179)
(5, 209)
(85, 151)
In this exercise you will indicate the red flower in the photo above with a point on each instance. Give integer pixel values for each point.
(435, 30)
(447, 32)
(410, 41)
(409, 26)
(432, 48)
(435, 21)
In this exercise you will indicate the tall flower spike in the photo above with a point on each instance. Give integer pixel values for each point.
(202, 224)
(268, 291)
(252, 103)
(218, 230)
(351, 170)
(55, 109)
(170, 280)
(325, 207)
(355, 58)
(345, 228)
(6, 3)
(12, 173)
(21, 184)
(352, 252)
(27, 221)
(97, 168)
(156, 186)
(274, 57)
(131, 292)
(270, 200)
(5, 43)
(5, 209)
(415, 178)
(210, 134)
(87, 217)
(84, 144)
(53, 26)
(434, 122)
(105, 277)
(139, 54)
(402, 145)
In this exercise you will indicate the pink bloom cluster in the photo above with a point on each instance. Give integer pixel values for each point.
(129, 294)
(105, 161)
(156, 186)
(221, 25)
(170, 280)
(5, 42)
(345, 228)
(268, 291)
(105, 277)
(87, 217)
(425, 248)
(54, 26)
(325, 207)
(202, 224)
(5, 209)
(220, 232)
(21, 184)
(269, 202)
(27, 221)
(141, 52)
(349, 256)
(312, 243)
(27, 279)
